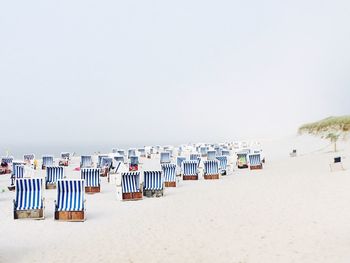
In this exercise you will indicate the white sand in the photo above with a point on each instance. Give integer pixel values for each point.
(294, 210)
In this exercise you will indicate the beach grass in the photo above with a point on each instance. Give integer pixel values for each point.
(333, 124)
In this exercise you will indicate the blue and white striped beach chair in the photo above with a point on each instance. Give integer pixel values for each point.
(195, 157)
(179, 161)
(222, 164)
(131, 152)
(169, 172)
(29, 202)
(100, 159)
(211, 155)
(255, 161)
(211, 169)
(92, 179)
(134, 163)
(16, 173)
(70, 203)
(7, 159)
(47, 160)
(165, 157)
(28, 158)
(153, 183)
(203, 151)
(131, 189)
(86, 161)
(53, 174)
(190, 170)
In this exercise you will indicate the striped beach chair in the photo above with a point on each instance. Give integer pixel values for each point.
(106, 164)
(86, 161)
(242, 160)
(225, 153)
(190, 170)
(92, 180)
(165, 157)
(211, 155)
(7, 159)
(222, 164)
(203, 151)
(153, 183)
(53, 174)
(211, 169)
(99, 160)
(64, 160)
(195, 157)
(131, 152)
(134, 163)
(179, 161)
(255, 161)
(29, 202)
(47, 160)
(131, 189)
(70, 203)
(28, 158)
(169, 172)
(16, 173)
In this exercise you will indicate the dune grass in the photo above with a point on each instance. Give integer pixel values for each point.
(330, 128)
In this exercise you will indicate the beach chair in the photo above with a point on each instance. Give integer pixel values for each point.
(165, 157)
(190, 170)
(70, 203)
(255, 161)
(134, 163)
(153, 183)
(92, 180)
(222, 164)
(121, 152)
(225, 153)
(169, 172)
(28, 202)
(114, 150)
(119, 159)
(47, 160)
(100, 159)
(337, 164)
(195, 157)
(131, 189)
(28, 158)
(293, 153)
(65, 157)
(86, 161)
(16, 173)
(53, 174)
(179, 161)
(6, 163)
(211, 169)
(211, 155)
(131, 152)
(242, 160)
(105, 165)
(203, 151)
(142, 152)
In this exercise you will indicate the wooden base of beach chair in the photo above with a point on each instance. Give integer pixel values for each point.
(153, 193)
(132, 196)
(50, 186)
(211, 176)
(43, 167)
(32, 214)
(11, 187)
(92, 189)
(72, 216)
(170, 184)
(256, 167)
(190, 177)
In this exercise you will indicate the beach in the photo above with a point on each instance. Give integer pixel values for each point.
(293, 210)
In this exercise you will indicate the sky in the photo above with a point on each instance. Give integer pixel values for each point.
(167, 72)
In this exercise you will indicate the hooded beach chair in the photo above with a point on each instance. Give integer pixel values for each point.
(142, 152)
(169, 172)
(195, 157)
(70, 203)
(165, 157)
(131, 189)
(255, 161)
(53, 174)
(47, 160)
(211, 155)
(114, 150)
(222, 164)
(211, 169)
(179, 161)
(121, 152)
(16, 173)
(190, 170)
(131, 152)
(28, 158)
(203, 151)
(119, 159)
(92, 179)
(99, 160)
(106, 164)
(65, 157)
(86, 161)
(134, 163)
(242, 160)
(6, 163)
(225, 153)
(153, 183)
(29, 202)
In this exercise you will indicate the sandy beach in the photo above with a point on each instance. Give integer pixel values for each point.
(294, 210)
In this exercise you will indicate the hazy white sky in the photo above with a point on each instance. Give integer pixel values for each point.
(159, 71)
